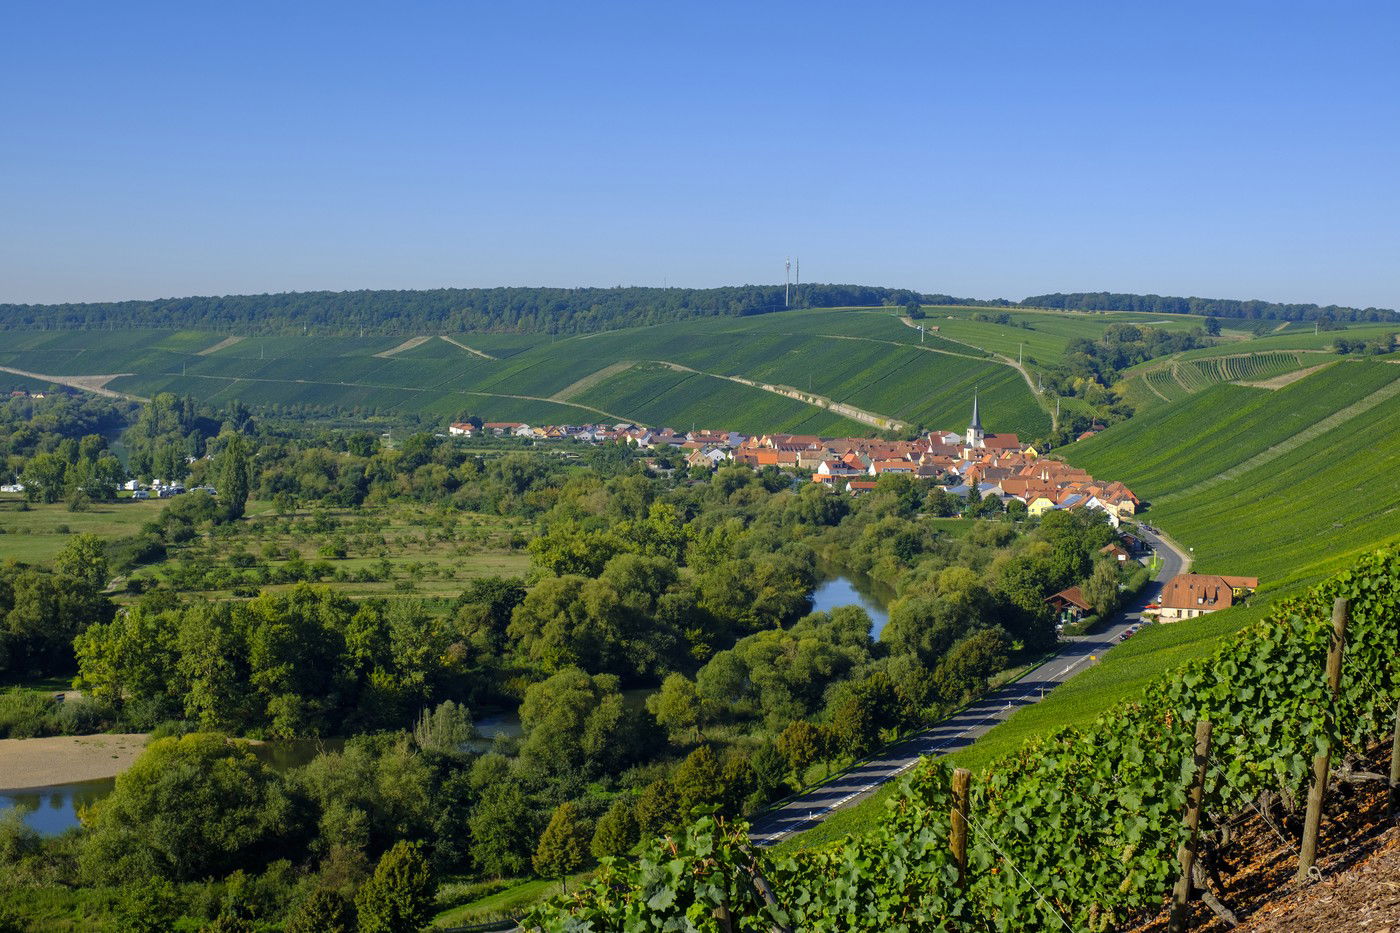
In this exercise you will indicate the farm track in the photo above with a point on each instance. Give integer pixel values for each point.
(407, 345)
(97, 385)
(221, 345)
(462, 346)
(592, 379)
(874, 419)
(1310, 433)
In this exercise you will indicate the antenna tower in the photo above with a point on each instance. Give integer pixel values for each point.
(787, 280)
(797, 283)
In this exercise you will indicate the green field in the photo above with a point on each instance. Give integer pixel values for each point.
(34, 534)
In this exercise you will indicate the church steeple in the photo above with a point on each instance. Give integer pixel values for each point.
(975, 436)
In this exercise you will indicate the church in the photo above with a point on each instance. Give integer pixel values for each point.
(978, 439)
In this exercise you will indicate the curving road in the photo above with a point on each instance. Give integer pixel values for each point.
(963, 728)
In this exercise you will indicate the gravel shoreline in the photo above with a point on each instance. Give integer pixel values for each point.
(66, 759)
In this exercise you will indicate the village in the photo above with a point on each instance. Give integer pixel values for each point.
(976, 466)
(996, 466)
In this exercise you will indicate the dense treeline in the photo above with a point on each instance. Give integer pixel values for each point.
(450, 310)
(1219, 307)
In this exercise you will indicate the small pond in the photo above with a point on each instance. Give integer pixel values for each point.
(838, 591)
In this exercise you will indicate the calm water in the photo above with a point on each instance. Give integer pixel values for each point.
(843, 591)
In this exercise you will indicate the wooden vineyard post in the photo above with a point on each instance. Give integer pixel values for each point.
(957, 836)
(1186, 854)
(1395, 765)
(1307, 853)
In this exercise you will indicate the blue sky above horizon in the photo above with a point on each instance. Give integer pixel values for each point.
(1238, 150)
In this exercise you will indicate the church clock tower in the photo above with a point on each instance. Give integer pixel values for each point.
(975, 437)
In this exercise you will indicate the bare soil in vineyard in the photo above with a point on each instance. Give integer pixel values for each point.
(1358, 856)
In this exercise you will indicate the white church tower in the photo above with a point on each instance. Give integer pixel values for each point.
(975, 437)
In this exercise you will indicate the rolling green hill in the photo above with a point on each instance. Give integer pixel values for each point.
(824, 371)
(1285, 484)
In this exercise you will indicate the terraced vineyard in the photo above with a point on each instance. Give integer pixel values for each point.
(1152, 383)
(1244, 475)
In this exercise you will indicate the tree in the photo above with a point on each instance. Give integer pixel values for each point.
(44, 478)
(974, 497)
(1213, 326)
(188, 808)
(914, 310)
(323, 911)
(968, 665)
(398, 898)
(676, 705)
(658, 807)
(83, 559)
(800, 744)
(698, 780)
(939, 504)
(563, 847)
(1101, 589)
(446, 729)
(577, 726)
(234, 472)
(502, 830)
(617, 831)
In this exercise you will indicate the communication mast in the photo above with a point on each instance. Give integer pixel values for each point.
(797, 280)
(787, 280)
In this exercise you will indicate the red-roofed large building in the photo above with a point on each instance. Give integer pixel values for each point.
(1188, 595)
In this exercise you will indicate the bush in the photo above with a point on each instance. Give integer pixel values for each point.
(26, 714)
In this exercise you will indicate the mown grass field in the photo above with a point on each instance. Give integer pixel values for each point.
(34, 534)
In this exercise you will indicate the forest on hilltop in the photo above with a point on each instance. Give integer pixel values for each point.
(1251, 309)
(449, 310)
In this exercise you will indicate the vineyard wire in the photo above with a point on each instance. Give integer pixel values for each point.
(1270, 823)
(1007, 859)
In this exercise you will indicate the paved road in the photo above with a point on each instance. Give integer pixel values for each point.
(963, 728)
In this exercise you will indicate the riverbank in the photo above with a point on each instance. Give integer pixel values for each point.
(65, 759)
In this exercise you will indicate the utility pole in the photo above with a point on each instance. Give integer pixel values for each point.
(1020, 354)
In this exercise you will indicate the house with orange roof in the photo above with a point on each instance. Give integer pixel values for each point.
(1188, 595)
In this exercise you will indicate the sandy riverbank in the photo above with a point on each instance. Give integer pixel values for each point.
(66, 759)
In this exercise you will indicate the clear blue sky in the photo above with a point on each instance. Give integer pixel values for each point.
(981, 149)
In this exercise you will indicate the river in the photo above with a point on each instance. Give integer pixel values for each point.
(834, 592)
